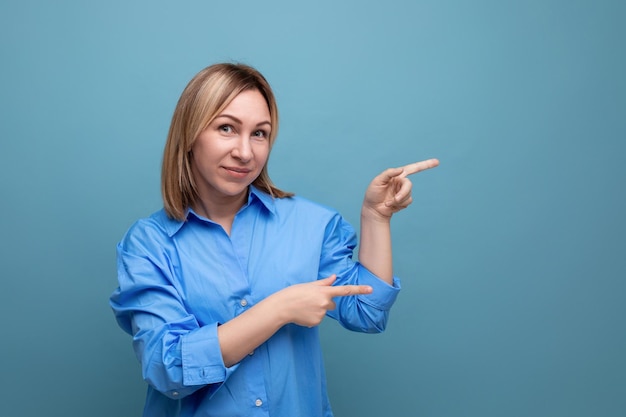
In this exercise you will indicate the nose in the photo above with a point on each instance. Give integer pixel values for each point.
(242, 149)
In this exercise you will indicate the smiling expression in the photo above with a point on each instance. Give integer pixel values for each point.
(232, 151)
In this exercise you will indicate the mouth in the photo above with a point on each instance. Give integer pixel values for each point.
(237, 172)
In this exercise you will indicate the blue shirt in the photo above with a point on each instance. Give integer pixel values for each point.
(178, 281)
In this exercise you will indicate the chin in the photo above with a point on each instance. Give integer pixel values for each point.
(233, 191)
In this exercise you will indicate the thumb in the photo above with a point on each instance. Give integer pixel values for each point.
(327, 282)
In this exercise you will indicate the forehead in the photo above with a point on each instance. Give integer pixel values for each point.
(248, 103)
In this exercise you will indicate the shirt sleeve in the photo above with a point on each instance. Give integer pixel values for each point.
(177, 355)
(364, 313)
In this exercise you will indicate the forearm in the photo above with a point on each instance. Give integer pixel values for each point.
(375, 246)
(241, 335)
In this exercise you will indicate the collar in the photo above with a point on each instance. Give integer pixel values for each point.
(255, 196)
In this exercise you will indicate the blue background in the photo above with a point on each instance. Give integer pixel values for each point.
(512, 257)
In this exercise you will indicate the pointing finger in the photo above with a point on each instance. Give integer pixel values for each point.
(328, 281)
(344, 290)
(416, 167)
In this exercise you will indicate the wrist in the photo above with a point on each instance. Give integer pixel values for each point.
(369, 214)
(278, 306)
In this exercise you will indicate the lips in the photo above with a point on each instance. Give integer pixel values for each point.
(237, 172)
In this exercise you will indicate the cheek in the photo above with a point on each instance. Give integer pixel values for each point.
(202, 162)
(207, 149)
(262, 153)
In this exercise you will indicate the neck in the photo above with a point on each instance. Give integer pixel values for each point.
(222, 210)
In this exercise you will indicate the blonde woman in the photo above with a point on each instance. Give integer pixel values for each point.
(223, 289)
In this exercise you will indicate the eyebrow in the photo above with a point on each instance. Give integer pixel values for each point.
(236, 120)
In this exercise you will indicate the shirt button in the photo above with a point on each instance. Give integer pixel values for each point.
(243, 302)
(251, 353)
(258, 403)
(175, 394)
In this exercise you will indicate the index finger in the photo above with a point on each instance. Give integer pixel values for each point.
(343, 290)
(416, 167)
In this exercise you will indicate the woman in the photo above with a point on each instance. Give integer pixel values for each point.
(223, 288)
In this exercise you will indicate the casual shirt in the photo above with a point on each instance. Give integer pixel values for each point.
(179, 280)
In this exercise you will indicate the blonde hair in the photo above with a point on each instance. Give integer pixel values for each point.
(203, 99)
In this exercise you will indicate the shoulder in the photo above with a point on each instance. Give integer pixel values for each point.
(151, 231)
(302, 203)
(310, 217)
(301, 206)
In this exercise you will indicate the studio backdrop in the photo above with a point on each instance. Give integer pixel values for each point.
(512, 256)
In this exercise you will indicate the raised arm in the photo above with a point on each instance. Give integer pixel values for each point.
(387, 194)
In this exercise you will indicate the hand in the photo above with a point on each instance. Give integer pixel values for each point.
(306, 304)
(390, 191)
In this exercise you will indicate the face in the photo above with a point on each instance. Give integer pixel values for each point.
(231, 152)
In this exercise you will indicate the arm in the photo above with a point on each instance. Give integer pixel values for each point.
(363, 313)
(303, 304)
(387, 194)
(148, 307)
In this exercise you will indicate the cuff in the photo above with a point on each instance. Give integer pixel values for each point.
(384, 295)
(202, 358)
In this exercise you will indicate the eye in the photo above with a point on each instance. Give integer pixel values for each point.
(261, 134)
(225, 128)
